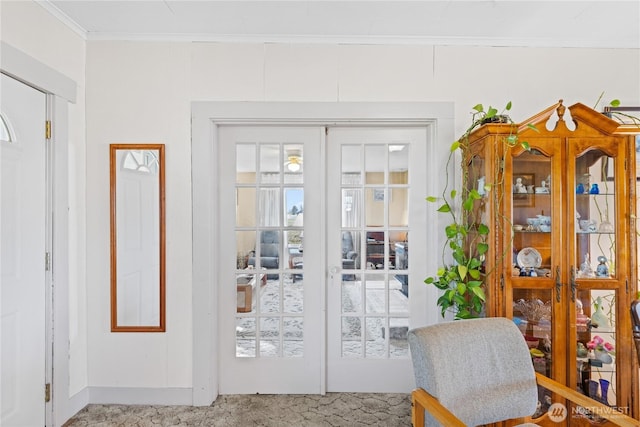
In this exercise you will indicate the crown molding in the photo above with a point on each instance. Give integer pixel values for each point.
(63, 17)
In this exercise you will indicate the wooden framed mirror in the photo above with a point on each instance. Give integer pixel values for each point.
(137, 237)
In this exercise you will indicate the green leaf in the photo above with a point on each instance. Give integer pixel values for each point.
(441, 271)
(615, 103)
(450, 294)
(455, 146)
(525, 145)
(483, 229)
(474, 263)
(462, 272)
(468, 204)
(482, 248)
(512, 140)
(451, 231)
(475, 274)
(444, 208)
(453, 194)
(492, 112)
(474, 194)
(432, 199)
(479, 108)
(533, 127)
(458, 256)
(463, 314)
(479, 292)
(474, 284)
(461, 288)
(508, 107)
(428, 280)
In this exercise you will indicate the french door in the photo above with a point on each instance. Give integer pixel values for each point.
(315, 286)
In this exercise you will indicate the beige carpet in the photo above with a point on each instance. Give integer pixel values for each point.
(331, 410)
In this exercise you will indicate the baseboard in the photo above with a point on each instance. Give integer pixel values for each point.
(140, 396)
(75, 404)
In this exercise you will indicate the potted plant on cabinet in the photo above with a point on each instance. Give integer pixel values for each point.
(462, 273)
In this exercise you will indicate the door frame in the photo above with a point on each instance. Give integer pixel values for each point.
(438, 117)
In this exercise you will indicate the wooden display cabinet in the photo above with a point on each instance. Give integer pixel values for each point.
(562, 244)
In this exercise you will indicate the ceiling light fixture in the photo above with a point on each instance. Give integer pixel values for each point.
(294, 163)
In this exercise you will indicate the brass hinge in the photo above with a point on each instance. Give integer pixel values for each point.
(47, 392)
(47, 261)
(47, 129)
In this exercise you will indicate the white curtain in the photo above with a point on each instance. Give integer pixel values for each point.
(269, 207)
(351, 211)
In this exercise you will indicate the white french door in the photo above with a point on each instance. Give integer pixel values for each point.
(314, 283)
(22, 254)
(375, 214)
(271, 279)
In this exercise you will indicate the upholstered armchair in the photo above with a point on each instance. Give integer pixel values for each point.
(349, 255)
(479, 371)
(269, 251)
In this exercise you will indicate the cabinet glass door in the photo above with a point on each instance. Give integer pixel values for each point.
(594, 279)
(532, 207)
(535, 274)
(595, 213)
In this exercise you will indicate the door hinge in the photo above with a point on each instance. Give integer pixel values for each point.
(47, 129)
(47, 392)
(47, 261)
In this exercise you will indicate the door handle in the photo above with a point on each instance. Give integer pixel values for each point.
(332, 271)
(558, 284)
(573, 283)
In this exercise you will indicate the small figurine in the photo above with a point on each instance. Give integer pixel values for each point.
(581, 351)
(520, 187)
(594, 189)
(602, 270)
(585, 267)
(580, 189)
(582, 320)
(481, 183)
(598, 317)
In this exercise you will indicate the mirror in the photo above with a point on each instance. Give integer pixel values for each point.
(137, 238)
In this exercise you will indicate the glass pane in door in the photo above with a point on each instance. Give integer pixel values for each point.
(596, 344)
(595, 215)
(374, 228)
(532, 205)
(269, 233)
(532, 312)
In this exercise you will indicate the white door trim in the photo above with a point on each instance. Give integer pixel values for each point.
(206, 116)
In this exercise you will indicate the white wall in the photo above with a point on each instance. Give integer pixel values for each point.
(141, 92)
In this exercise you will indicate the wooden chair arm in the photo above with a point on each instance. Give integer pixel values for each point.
(421, 401)
(602, 410)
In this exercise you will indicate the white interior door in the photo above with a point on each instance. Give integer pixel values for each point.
(292, 319)
(270, 281)
(22, 254)
(376, 213)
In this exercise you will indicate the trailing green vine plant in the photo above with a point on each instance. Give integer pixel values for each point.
(461, 276)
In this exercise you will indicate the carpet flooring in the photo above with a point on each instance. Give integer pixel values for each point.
(330, 410)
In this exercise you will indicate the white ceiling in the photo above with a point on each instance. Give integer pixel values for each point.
(602, 24)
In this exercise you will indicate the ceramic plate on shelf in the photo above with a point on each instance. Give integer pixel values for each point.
(529, 258)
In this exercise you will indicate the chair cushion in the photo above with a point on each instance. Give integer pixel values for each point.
(480, 369)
